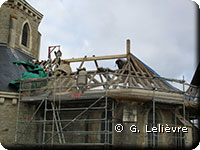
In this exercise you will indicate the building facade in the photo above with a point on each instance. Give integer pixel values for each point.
(19, 27)
(19, 40)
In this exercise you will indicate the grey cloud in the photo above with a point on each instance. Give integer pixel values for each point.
(162, 33)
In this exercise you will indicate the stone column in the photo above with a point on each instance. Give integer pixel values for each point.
(12, 31)
(38, 46)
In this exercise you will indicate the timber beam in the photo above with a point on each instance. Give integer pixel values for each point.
(94, 58)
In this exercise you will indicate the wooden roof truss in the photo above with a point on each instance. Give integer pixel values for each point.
(133, 74)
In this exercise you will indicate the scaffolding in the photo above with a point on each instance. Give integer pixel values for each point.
(79, 108)
(84, 117)
(63, 121)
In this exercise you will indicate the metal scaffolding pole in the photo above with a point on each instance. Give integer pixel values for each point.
(106, 119)
(113, 125)
(54, 119)
(58, 124)
(44, 122)
(175, 126)
(74, 119)
(154, 117)
(18, 109)
(183, 136)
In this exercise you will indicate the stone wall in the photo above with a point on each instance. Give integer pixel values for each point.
(8, 115)
(137, 115)
(4, 25)
(140, 139)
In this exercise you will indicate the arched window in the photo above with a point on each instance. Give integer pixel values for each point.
(25, 34)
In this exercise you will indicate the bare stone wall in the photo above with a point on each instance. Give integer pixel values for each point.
(4, 25)
(28, 129)
(141, 125)
(128, 138)
(94, 126)
(8, 115)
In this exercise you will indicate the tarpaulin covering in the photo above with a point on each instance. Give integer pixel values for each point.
(33, 71)
(8, 70)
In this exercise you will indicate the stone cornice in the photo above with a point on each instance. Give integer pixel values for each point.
(26, 7)
(9, 94)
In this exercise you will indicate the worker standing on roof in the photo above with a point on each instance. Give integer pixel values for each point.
(64, 67)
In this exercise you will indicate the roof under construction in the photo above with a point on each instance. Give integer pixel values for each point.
(84, 105)
(133, 80)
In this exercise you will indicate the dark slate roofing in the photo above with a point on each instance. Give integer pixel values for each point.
(196, 77)
(9, 71)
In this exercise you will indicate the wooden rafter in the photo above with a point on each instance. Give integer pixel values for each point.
(95, 58)
(97, 66)
(82, 62)
(144, 80)
(133, 73)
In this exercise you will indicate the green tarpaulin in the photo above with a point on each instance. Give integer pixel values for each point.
(33, 71)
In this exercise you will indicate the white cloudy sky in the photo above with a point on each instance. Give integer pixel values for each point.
(162, 32)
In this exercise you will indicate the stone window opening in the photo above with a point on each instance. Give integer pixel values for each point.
(25, 34)
(130, 114)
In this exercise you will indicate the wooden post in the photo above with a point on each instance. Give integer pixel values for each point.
(128, 47)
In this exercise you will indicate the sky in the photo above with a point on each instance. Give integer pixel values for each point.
(162, 33)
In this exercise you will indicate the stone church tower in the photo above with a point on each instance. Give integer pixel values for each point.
(19, 41)
(19, 27)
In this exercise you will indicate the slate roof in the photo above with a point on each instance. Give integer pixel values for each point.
(8, 70)
(196, 77)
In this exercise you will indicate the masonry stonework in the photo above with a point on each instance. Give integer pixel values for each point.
(13, 16)
(8, 115)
